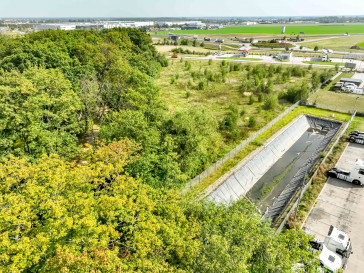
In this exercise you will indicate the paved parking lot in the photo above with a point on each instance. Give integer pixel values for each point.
(341, 204)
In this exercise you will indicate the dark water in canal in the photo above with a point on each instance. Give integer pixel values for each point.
(273, 182)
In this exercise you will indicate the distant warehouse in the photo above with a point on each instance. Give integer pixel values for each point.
(357, 82)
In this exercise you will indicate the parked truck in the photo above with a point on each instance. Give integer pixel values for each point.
(338, 242)
(335, 249)
(329, 260)
(356, 137)
(356, 176)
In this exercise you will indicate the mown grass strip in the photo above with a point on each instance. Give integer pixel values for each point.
(324, 63)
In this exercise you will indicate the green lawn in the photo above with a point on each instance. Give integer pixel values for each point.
(308, 30)
(361, 45)
(337, 44)
(241, 59)
(337, 101)
(324, 63)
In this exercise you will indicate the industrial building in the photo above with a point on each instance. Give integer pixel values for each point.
(284, 56)
(2, 29)
(357, 82)
(94, 25)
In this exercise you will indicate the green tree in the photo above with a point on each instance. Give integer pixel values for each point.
(270, 102)
(86, 218)
(40, 113)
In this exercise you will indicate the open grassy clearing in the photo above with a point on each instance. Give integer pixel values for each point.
(324, 63)
(337, 44)
(308, 30)
(217, 96)
(343, 102)
(361, 44)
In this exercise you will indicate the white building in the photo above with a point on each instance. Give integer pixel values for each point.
(3, 29)
(284, 56)
(131, 24)
(55, 26)
(248, 23)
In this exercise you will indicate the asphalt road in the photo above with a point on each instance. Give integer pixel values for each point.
(341, 204)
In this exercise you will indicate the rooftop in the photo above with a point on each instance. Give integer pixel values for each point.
(350, 80)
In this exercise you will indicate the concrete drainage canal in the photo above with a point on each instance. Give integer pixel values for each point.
(272, 176)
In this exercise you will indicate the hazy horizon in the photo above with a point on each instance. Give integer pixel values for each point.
(173, 8)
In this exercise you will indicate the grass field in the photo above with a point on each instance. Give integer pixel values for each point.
(338, 101)
(217, 96)
(308, 30)
(361, 45)
(337, 44)
(324, 63)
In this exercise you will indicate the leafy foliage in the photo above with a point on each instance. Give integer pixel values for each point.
(40, 113)
(61, 217)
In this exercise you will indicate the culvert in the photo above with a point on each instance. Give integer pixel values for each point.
(272, 176)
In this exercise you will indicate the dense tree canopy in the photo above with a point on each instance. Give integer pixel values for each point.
(67, 206)
(39, 113)
(65, 217)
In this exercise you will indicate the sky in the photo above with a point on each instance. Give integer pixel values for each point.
(178, 8)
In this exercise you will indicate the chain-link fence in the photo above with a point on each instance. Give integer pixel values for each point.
(315, 173)
(285, 197)
(196, 180)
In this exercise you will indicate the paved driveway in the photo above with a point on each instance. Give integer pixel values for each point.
(341, 204)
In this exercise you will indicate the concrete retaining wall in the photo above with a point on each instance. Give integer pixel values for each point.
(242, 180)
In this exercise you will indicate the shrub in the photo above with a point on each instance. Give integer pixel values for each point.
(251, 99)
(270, 102)
(252, 122)
(201, 85)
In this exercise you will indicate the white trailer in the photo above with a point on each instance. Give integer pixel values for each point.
(356, 176)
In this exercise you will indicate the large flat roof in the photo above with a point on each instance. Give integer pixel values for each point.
(350, 80)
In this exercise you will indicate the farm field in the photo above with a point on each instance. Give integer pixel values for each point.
(337, 44)
(361, 45)
(308, 30)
